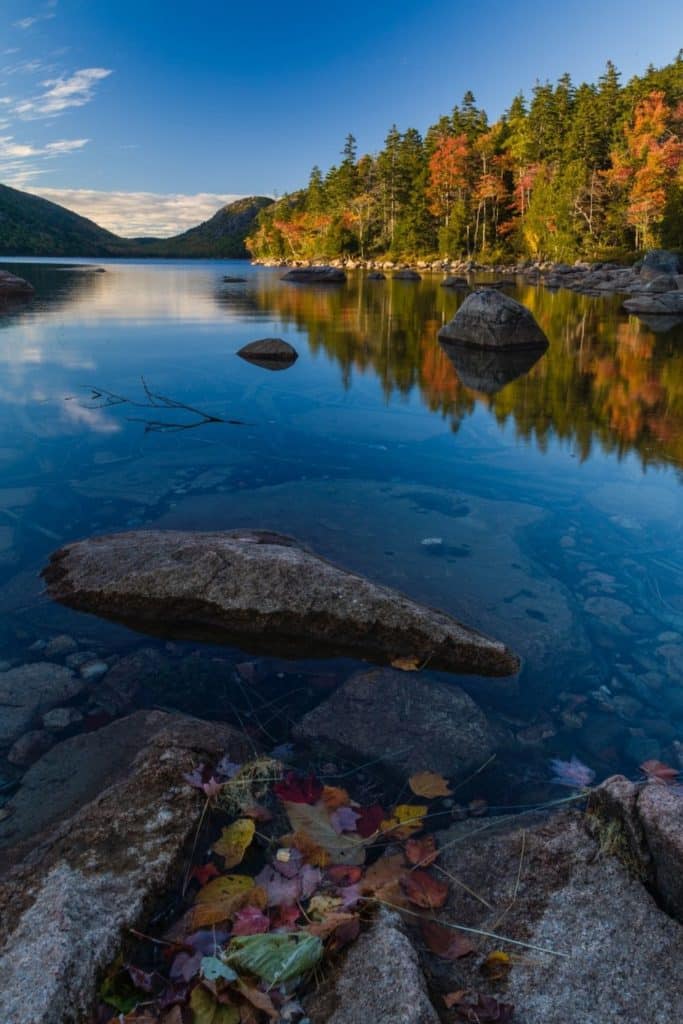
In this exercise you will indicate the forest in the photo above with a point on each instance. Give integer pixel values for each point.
(594, 171)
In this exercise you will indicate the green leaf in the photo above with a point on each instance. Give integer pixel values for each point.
(206, 1010)
(117, 988)
(212, 968)
(275, 957)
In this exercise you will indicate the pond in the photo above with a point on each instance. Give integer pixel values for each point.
(539, 503)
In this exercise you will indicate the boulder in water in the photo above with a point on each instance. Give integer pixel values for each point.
(263, 592)
(490, 319)
(270, 353)
(315, 275)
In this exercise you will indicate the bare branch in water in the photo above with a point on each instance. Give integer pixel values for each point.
(105, 399)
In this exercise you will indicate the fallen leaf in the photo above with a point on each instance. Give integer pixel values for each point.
(212, 969)
(486, 1010)
(497, 965)
(656, 771)
(369, 820)
(407, 664)
(285, 917)
(421, 851)
(234, 841)
(207, 1010)
(275, 957)
(343, 820)
(405, 819)
(447, 943)
(382, 880)
(313, 821)
(344, 874)
(572, 773)
(279, 889)
(261, 1000)
(324, 928)
(212, 788)
(250, 921)
(429, 785)
(453, 998)
(204, 873)
(424, 890)
(322, 905)
(221, 899)
(297, 789)
(334, 797)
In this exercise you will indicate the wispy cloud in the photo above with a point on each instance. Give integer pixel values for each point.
(46, 14)
(135, 214)
(21, 162)
(60, 94)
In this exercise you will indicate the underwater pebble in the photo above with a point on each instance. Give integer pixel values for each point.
(60, 645)
(94, 669)
(430, 542)
(29, 747)
(59, 719)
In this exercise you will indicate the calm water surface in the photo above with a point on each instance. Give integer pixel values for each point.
(539, 503)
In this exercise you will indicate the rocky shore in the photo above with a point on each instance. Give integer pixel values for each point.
(655, 281)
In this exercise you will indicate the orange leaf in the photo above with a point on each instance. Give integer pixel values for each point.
(221, 898)
(334, 797)
(656, 771)
(497, 965)
(429, 785)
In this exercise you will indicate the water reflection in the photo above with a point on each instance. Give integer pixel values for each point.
(487, 370)
(607, 378)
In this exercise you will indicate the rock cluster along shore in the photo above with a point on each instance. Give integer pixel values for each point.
(655, 282)
(13, 287)
(263, 592)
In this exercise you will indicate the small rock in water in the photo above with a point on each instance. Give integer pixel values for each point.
(59, 646)
(29, 747)
(94, 670)
(59, 719)
(429, 542)
(79, 658)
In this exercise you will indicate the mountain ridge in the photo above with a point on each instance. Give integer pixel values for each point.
(33, 226)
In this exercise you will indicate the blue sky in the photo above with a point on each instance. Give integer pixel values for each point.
(149, 114)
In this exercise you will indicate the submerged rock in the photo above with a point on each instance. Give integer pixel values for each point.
(488, 370)
(228, 279)
(12, 286)
(380, 981)
(261, 591)
(455, 282)
(315, 275)
(377, 275)
(490, 319)
(407, 275)
(29, 689)
(270, 353)
(405, 719)
(65, 908)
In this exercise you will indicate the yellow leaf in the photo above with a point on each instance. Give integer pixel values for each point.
(221, 899)
(234, 841)
(312, 822)
(497, 965)
(406, 819)
(320, 906)
(207, 1010)
(429, 785)
(410, 664)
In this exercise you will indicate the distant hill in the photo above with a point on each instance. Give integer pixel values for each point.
(221, 235)
(31, 226)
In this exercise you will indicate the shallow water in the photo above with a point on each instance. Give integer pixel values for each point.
(539, 503)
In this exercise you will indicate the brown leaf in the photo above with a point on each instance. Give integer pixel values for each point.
(382, 880)
(424, 890)
(421, 851)
(656, 771)
(455, 998)
(222, 898)
(261, 1000)
(445, 942)
(330, 923)
(429, 785)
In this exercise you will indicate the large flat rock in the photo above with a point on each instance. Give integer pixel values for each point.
(65, 907)
(658, 303)
(613, 954)
(409, 720)
(263, 592)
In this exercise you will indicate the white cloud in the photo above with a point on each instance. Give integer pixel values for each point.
(44, 15)
(135, 214)
(60, 94)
